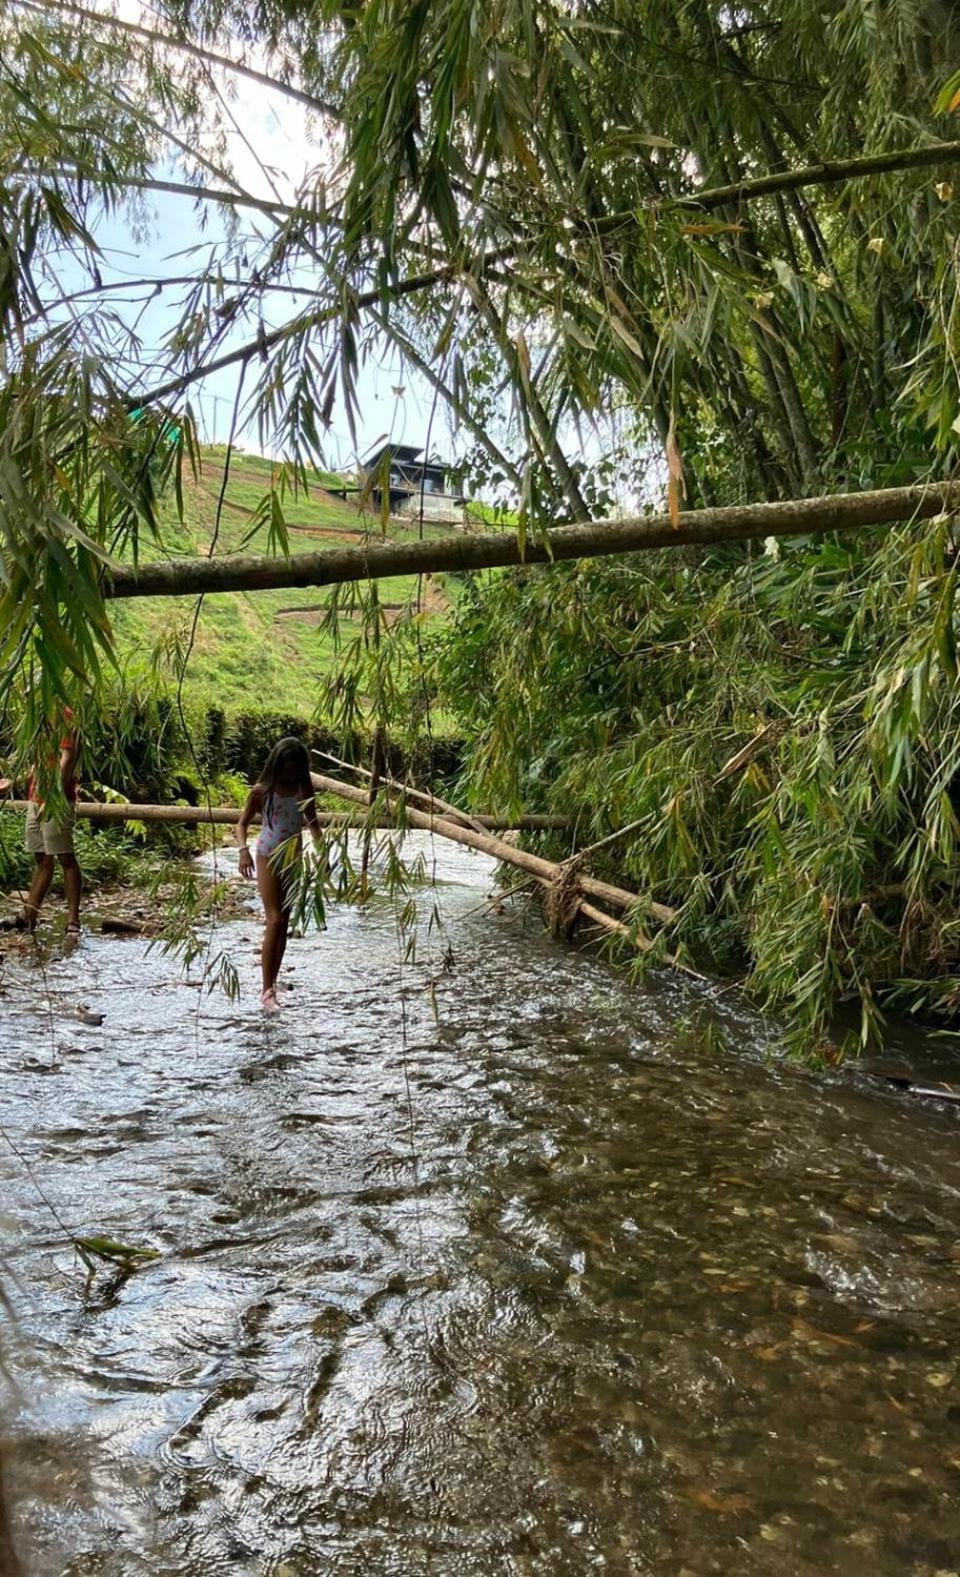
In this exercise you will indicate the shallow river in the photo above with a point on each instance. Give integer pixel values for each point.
(531, 1278)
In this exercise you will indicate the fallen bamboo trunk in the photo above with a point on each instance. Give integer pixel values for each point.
(495, 549)
(607, 922)
(432, 801)
(228, 816)
(547, 872)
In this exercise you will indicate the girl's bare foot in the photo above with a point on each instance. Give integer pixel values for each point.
(268, 1001)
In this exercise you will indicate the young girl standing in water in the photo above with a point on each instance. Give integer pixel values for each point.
(283, 796)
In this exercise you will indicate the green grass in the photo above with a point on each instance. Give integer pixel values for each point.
(244, 655)
(491, 514)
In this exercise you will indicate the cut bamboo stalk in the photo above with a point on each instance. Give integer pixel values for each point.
(174, 815)
(622, 898)
(636, 938)
(743, 756)
(612, 837)
(497, 549)
(445, 827)
(607, 922)
(229, 815)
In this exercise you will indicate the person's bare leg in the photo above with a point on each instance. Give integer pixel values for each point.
(72, 888)
(9, 1563)
(280, 944)
(271, 895)
(39, 887)
(268, 952)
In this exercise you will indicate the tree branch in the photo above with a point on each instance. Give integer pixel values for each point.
(144, 183)
(156, 285)
(828, 174)
(367, 298)
(186, 46)
(831, 174)
(525, 384)
(491, 550)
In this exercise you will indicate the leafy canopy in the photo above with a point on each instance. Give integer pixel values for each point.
(664, 219)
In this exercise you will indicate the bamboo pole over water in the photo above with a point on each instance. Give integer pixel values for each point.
(547, 873)
(229, 815)
(431, 801)
(469, 552)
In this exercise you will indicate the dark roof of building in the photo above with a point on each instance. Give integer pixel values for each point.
(395, 451)
(406, 454)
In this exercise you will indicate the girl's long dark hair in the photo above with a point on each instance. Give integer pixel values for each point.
(290, 760)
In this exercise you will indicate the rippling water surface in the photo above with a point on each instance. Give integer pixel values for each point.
(534, 1282)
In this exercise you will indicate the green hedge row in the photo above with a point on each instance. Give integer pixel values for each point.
(148, 750)
(239, 745)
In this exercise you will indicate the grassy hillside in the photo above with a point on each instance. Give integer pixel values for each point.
(263, 650)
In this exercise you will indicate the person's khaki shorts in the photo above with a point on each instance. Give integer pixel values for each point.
(48, 837)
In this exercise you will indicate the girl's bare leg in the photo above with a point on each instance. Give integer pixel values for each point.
(276, 921)
(280, 943)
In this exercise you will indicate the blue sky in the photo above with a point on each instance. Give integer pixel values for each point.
(174, 234)
(272, 145)
(270, 148)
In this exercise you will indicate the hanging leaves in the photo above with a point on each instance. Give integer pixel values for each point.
(676, 483)
(948, 99)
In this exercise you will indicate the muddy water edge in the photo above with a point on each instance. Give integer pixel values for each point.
(521, 1276)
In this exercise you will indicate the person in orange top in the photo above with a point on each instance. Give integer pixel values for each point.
(50, 838)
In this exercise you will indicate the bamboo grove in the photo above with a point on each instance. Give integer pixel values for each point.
(704, 247)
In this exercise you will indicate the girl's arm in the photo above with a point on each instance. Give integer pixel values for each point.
(250, 809)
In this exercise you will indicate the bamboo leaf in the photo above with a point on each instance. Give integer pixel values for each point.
(676, 485)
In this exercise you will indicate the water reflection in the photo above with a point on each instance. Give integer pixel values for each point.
(532, 1286)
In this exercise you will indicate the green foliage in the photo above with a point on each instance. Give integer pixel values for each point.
(106, 855)
(824, 864)
(126, 1256)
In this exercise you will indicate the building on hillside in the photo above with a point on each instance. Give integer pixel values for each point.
(416, 485)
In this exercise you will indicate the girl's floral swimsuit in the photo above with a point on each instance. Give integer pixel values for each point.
(282, 820)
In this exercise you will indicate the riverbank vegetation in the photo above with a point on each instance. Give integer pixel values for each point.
(779, 731)
(635, 250)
